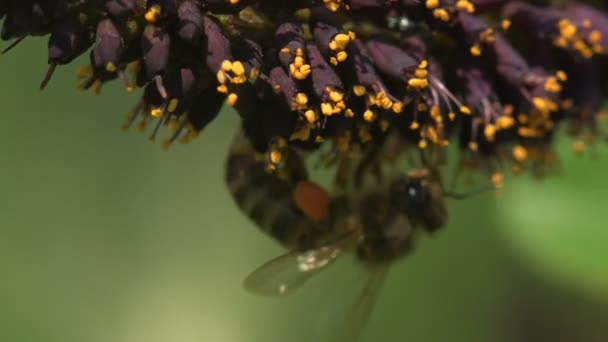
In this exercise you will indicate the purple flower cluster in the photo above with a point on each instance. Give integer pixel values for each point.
(495, 77)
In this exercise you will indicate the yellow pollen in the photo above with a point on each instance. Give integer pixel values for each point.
(397, 107)
(421, 73)
(579, 146)
(595, 36)
(431, 4)
(490, 132)
(231, 99)
(238, 68)
(310, 116)
(475, 50)
(226, 65)
(172, 105)
(359, 90)
(465, 5)
(498, 179)
(111, 67)
(441, 14)
(519, 153)
(369, 116)
(505, 122)
(327, 109)
(153, 14)
(156, 112)
(336, 96)
(222, 89)
(552, 85)
(301, 99)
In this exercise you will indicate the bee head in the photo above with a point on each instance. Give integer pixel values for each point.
(419, 196)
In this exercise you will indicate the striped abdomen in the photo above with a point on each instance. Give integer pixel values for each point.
(290, 209)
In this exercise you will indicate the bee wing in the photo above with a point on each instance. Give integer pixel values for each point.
(349, 326)
(286, 273)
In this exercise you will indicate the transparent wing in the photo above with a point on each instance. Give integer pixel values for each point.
(284, 274)
(351, 324)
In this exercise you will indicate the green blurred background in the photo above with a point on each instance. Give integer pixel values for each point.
(105, 237)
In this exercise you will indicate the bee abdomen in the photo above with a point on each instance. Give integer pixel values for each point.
(267, 199)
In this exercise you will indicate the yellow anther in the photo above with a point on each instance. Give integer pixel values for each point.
(326, 108)
(561, 75)
(301, 99)
(422, 144)
(222, 89)
(519, 153)
(579, 146)
(173, 103)
(369, 116)
(226, 65)
(397, 107)
(111, 67)
(540, 103)
(310, 116)
(431, 4)
(498, 180)
(505, 122)
(465, 110)
(489, 132)
(156, 112)
(414, 125)
(231, 99)
(341, 56)
(595, 36)
(336, 96)
(221, 77)
(552, 85)
(418, 83)
(238, 68)
(505, 24)
(475, 50)
(466, 6)
(153, 14)
(359, 90)
(435, 112)
(275, 157)
(473, 146)
(421, 73)
(441, 14)
(341, 40)
(349, 113)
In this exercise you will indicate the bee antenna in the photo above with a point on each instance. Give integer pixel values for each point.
(464, 195)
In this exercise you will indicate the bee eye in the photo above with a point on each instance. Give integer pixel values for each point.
(409, 196)
(416, 193)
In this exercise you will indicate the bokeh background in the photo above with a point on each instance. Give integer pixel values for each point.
(106, 237)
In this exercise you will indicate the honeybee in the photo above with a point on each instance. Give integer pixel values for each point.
(378, 225)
